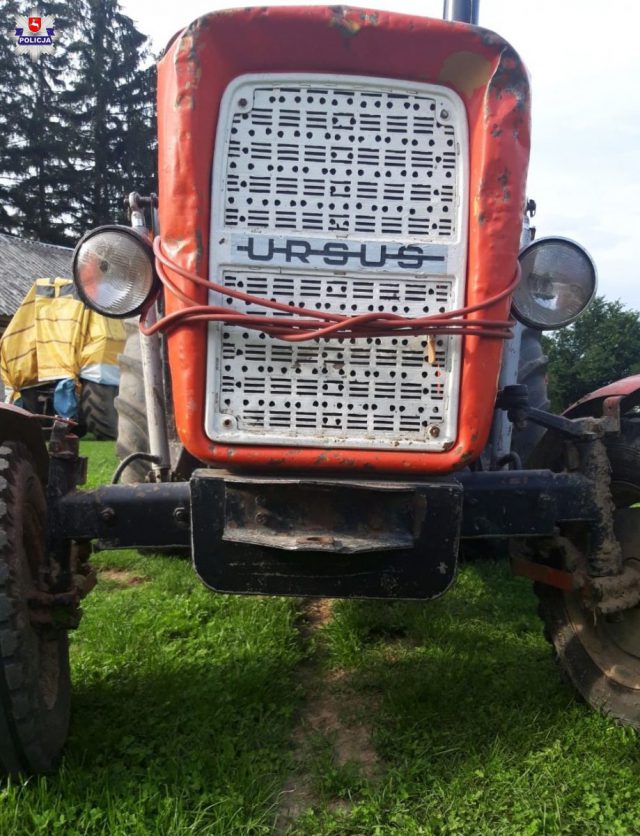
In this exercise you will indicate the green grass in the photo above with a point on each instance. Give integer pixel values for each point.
(185, 705)
(475, 730)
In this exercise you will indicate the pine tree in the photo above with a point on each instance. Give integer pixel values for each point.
(113, 102)
(8, 115)
(77, 127)
(34, 166)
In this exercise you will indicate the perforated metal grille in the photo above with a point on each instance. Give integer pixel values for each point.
(342, 389)
(307, 169)
(339, 159)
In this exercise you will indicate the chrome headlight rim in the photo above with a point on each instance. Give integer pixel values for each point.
(529, 321)
(139, 239)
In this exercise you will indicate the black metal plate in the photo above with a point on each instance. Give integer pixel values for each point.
(321, 528)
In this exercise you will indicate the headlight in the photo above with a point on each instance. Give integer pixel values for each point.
(558, 282)
(113, 270)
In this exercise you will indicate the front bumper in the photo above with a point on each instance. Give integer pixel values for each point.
(331, 537)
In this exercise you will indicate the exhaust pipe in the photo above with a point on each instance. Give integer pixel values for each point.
(463, 10)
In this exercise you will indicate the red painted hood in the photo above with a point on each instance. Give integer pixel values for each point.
(493, 84)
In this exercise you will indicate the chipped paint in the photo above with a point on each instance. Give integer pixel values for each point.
(510, 79)
(370, 18)
(347, 26)
(503, 179)
(350, 21)
(466, 72)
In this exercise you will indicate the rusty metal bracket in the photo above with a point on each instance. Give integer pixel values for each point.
(602, 595)
(61, 608)
(579, 429)
(66, 576)
(541, 573)
(514, 399)
(612, 413)
(605, 554)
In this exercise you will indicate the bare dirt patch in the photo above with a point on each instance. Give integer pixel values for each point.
(339, 716)
(317, 612)
(334, 713)
(121, 577)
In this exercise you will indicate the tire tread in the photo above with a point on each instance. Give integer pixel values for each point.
(97, 409)
(22, 748)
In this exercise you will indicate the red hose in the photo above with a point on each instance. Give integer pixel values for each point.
(324, 325)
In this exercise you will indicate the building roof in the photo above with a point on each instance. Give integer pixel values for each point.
(22, 262)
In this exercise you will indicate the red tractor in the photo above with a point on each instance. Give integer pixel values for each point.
(337, 377)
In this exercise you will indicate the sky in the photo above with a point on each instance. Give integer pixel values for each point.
(584, 63)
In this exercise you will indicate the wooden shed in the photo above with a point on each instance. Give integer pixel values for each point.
(21, 263)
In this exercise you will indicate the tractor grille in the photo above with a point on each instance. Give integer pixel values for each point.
(343, 194)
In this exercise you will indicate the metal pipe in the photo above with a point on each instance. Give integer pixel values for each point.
(502, 428)
(463, 10)
(151, 356)
(151, 353)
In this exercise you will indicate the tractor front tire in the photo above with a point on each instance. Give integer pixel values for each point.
(97, 410)
(532, 372)
(133, 432)
(35, 683)
(600, 656)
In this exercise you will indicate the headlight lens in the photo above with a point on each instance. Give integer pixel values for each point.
(558, 282)
(113, 269)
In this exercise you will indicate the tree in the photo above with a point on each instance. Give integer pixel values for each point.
(9, 112)
(601, 346)
(77, 127)
(35, 129)
(113, 102)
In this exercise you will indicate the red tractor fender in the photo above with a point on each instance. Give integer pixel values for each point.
(618, 397)
(613, 400)
(17, 424)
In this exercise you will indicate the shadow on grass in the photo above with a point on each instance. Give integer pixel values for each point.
(457, 676)
(191, 718)
(195, 747)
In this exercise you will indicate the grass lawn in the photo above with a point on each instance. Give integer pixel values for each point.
(191, 715)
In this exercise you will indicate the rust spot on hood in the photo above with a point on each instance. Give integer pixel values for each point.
(187, 53)
(503, 179)
(370, 18)
(349, 21)
(510, 78)
(466, 71)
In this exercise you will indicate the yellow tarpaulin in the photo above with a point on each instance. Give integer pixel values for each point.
(103, 340)
(53, 335)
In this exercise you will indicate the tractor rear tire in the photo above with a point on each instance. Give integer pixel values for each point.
(97, 410)
(133, 432)
(35, 683)
(532, 371)
(600, 657)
